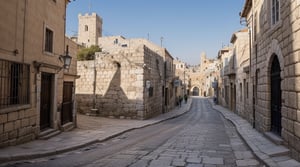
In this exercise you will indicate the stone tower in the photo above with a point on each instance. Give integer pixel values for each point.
(89, 29)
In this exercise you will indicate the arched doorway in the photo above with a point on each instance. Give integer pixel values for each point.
(195, 91)
(275, 96)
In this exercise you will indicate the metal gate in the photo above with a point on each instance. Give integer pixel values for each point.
(45, 103)
(275, 97)
(67, 105)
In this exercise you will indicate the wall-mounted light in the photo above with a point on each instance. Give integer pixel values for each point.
(66, 59)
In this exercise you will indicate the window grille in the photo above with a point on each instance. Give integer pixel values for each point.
(14, 84)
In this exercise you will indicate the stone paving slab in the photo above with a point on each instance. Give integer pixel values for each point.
(90, 130)
(267, 151)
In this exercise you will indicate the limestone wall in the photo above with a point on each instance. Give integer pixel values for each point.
(23, 30)
(89, 29)
(281, 41)
(121, 84)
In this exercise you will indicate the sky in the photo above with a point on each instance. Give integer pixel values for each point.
(187, 28)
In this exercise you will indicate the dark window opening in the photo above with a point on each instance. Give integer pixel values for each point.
(49, 40)
(150, 91)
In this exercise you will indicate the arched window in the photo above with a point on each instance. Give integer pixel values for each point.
(86, 28)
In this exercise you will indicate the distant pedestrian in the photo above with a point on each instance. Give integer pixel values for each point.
(185, 98)
(180, 100)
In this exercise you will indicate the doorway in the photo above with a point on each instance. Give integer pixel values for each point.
(275, 97)
(67, 104)
(46, 102)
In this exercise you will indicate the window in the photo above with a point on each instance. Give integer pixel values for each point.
(255, 26)
(14, 87)
(275, 11)
(241, 92)
(86, 28)
(151, 92)
(49, 40)
(226, 61)
(247, 90)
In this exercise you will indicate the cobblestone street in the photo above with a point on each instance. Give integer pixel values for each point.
(208, 140)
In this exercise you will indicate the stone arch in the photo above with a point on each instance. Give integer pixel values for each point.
(273, 53)
(195, 87)
(274, 50)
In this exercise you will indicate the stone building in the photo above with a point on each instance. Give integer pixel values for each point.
(208, 74)
(202, 76)
(239, 64)
(181, 72)
(275, 68)
(234, 65)
(34, 98)
(132, 79)
(224, 56)
(168, 79)
(89, 29)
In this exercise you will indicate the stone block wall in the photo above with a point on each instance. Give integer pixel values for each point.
(120, 90)
(17, 127)
(280, 40)
(154, 73)
(19, 123)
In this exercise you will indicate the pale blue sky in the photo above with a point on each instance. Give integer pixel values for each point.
(188, 27)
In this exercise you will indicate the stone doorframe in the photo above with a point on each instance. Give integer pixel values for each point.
(274, 50)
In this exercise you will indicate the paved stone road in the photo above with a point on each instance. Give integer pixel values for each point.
(208, 141)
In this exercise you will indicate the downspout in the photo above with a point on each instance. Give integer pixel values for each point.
(24, 30)
(250, 52)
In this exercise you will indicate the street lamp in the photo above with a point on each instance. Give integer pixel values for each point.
(66, 59)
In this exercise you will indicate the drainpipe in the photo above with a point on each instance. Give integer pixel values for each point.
(250, 27)
(24, 30)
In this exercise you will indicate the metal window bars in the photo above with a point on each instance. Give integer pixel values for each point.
(14, 84)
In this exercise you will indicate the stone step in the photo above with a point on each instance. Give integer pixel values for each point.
(46, 134)
(68, 126)
(276, 151)
(274, 138)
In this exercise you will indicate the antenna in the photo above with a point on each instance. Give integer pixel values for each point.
(161, 41)
(90, 6)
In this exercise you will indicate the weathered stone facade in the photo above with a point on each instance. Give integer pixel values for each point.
(202, 76)
(274, 68)
(129, 83)
(240, 63)
(25, 59)
(182, 73)
(89, 29)
(224, 56)
(234, 71)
